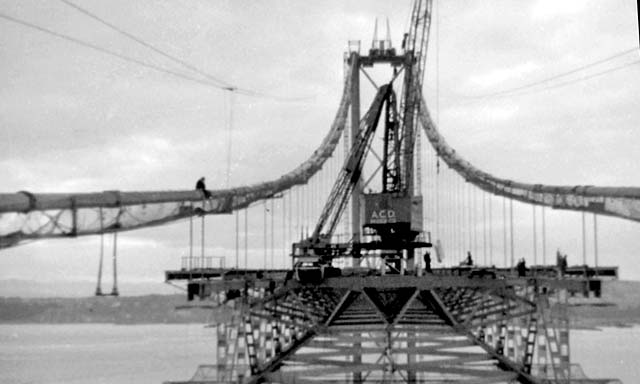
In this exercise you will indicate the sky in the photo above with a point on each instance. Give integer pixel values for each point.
(73, 119)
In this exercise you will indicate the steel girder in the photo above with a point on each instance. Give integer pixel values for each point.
(477, 332)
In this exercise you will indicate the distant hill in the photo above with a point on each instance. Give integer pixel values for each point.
(618, 306)
(119, 310)
(79, 288)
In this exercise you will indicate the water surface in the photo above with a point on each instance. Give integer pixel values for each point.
(128, 354)
(102, 353)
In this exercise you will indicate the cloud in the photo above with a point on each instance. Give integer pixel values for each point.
(547, 9)
(502, 75)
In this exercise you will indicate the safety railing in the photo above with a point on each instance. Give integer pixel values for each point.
(190, 263)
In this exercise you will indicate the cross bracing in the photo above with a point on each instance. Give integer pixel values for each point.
(450, 329)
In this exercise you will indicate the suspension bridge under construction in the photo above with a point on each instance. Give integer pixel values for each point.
(358, 298)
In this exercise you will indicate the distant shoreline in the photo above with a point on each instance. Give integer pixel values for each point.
(619, 307)
(149, 309)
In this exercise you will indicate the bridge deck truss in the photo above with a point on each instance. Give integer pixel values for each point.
(394, 329)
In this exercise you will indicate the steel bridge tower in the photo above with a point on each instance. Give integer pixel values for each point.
(398, 321)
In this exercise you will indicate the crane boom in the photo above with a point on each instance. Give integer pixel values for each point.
(350, 173)
(415, 45)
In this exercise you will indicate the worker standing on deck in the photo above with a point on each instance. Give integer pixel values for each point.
(521, 267)
(561, 263)
(427, 262)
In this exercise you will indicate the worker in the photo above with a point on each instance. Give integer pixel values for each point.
(469, 260)
(561, 263)
(200, 186)
(427, 262)
(521, 267)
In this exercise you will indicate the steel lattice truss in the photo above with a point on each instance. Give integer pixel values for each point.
(27, 216)
(396, 329)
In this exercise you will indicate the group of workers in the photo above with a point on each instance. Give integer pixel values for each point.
(427, 261)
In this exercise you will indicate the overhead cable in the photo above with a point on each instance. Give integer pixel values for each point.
(516, 90)
(105, 50)
(573, 81)
(222, 83)
(144, 43)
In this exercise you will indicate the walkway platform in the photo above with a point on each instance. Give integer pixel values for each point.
(203, 282)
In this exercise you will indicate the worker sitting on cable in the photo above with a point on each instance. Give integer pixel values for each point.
(200, 186)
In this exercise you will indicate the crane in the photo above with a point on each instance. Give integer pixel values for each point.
(392, 215)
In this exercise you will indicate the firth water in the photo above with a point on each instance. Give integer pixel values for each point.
(123, 354)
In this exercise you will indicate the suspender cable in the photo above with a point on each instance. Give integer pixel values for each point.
(469, 211)
(298, 229)
(535, 237)
(544, 237)
(114, 290)
(460, 216)
(289, 217)
(475, 223)
(190, 241)
(504, 230)
(466, 217)
(284, 229)
(484, 227)
(264, 233)
(595, 241)
(450, 216)
(309, 207)
(246, 237)
(436, 198)
(454, 215)
(490, 229)
(312, 206)
(444, 218)
(237, 239)
(584, 239)
(511, 232)
(418, 164)
(311, 197)
(319, 197)
(99, 285)
(202, 242)
(273, 214)
(302, 210)
(229, 135)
